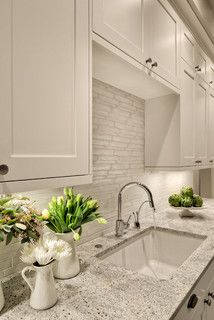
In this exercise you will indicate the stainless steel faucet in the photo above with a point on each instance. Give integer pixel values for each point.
(122, 225)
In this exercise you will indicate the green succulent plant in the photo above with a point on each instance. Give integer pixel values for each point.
(175, 200)
(186, 202)
(197, 201)
(69, 212)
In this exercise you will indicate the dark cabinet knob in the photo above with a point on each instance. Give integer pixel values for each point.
(211, 294)
(154, 64)
(198, 161)
(3, 169)
(211, 82)
(211, 161)
(208, 302)
(149, 60)
(197, 68)
(193, 300)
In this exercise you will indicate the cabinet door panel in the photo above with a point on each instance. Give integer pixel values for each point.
(120, 23)
(210, 121)
(201, 121)
(187, 119)
(161, 38)
(46, 89)
(187, 46)
(201, 62)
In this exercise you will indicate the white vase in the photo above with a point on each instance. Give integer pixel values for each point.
(1, 297)
(67, 267)
(43, 293)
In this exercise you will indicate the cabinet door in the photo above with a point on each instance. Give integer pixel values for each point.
(211, 74)
(201, 63)
(44, 81)
(187, 115)
(161, 39)
(201, 98)
(120, 23)
(210, 121)
(187, 46)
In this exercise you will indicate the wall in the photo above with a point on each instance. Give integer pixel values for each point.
(118, 158)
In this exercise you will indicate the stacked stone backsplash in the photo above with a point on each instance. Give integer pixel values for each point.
(118, 158)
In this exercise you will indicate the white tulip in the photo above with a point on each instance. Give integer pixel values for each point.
(28, 254)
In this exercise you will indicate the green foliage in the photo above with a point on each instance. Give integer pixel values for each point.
(197, 201)
(17, 219)
(187, 192)
(175, 200)
(69, 212)
(186, 202)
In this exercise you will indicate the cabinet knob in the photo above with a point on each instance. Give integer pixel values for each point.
(3, 169)
(211, 82)
(154, 64)
(211, 294)
(208, 302)
(211, 161)
(198, 161)
(197, 68)
(193, 300)
(149, 60)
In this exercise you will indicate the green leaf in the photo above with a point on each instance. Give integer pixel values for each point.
(9, 237)
(6, 228)
(1, 236)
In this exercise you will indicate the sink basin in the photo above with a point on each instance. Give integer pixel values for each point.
(157, 253)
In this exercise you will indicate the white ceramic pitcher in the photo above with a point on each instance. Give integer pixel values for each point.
(43, 294)
(67, 267)
(1, 297)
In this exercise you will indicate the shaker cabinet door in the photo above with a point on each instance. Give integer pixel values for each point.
(120, 23)
(161, 39)
(44, 81)
(201, 98)
(187, 115)
(210, 122)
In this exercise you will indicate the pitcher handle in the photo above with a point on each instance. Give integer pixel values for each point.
(25, 278)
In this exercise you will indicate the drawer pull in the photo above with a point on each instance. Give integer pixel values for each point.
(3, 169)
(198, 161)
(208, 302)
(149, 60)
(154, 64)
(211, 294)
(211, 161)
(193, 300)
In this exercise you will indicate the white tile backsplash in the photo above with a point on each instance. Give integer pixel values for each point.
(118, 158)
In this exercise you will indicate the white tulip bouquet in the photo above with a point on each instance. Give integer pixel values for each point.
(46, 250)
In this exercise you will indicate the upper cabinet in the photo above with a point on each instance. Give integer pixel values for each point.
(161, 39)
(120, 22)
(45, 91)
(201, 63)
(146, 30)
(210, 121)
(188, 45)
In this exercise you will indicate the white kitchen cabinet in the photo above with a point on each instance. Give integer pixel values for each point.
(162, 39)
(203, 308)
(210, 124)
(188, 45)
(45, 91)
(210, 74)
(201, 63)
(121, 23)
(201, 100)
(187, 115)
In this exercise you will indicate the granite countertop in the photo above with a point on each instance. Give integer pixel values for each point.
(105, 291)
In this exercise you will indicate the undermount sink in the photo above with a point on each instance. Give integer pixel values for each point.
(155, 252)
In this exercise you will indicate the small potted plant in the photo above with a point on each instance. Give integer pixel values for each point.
(65, 216)
(17, 220)
(40, 256)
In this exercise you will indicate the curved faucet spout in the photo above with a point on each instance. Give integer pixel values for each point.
(120, 224)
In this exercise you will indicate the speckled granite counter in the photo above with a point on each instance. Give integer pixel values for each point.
(104, 291)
